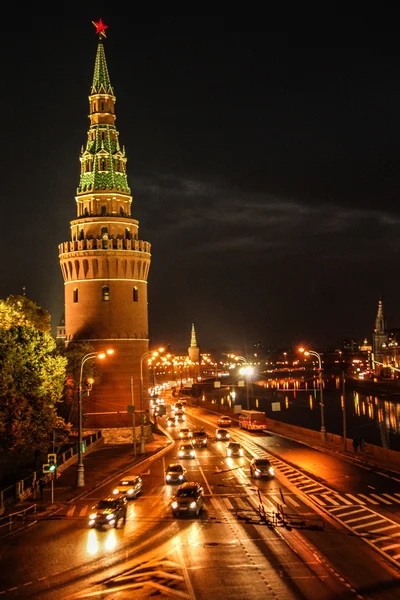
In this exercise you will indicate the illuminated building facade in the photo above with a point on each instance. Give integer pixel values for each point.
(105, 266)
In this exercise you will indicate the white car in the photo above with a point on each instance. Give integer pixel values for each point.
(186, 451)
(185, 433)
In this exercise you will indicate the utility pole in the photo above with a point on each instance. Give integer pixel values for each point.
(344, 411)
(133, 419)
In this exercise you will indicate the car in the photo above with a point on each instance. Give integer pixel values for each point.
(224, 421)
(261, 467)
(199, 438)
(186, 451)
(109, 512)
(185, 433)
(188, 499)
(171, 422)
(180, 416)
(175, 473)
(130, 487)
(178, 407)
(222, 434)
(234, 449)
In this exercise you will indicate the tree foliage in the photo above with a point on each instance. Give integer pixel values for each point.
(32, 377)
(21, 310)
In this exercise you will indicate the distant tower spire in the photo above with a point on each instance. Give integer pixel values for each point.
(194, 355)
(379, 338)
(193, 343)
(380, 321)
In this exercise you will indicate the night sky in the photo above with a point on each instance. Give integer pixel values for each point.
(264, 169)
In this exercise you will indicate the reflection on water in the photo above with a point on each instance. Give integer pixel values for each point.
(376, 419)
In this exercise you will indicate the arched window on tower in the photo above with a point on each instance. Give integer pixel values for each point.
(121, 211)
(103, 210)
(86, 211)
(103, 164)
(135, 294)
(128, 233)
(105, 293)
(81, 235)
(75, 294)
(102, 106)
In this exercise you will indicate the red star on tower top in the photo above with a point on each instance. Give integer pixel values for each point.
(100, 28)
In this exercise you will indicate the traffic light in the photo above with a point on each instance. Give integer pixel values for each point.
(52, 462)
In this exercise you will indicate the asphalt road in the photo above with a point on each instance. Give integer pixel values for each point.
(231, 550)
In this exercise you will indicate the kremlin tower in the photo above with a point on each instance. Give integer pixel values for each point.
(194, 354)
(379, 338)
(105, 266)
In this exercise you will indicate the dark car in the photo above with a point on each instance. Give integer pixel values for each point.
(188, 499)
(261, 467)
(109, 512)
(234, 449)
(129, 487)
(222, 434)
(175, 473)
(199, 438)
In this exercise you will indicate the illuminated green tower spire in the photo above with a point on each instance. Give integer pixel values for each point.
(103, 163)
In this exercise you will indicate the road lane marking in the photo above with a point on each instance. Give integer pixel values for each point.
(368, 499)
(391, 497)
(329, 499)
(381, 499)
(368, 524)
(357, 500)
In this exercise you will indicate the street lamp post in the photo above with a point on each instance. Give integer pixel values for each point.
(313, 353)
(80, 471)
(153, 354)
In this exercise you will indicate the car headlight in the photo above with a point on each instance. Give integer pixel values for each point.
(271, 471)
(240, 452)
(204, 442)
(227, 436)
(219, 436)
(130, 492)
(192, 505)
(257, 472)
(110, 517)
(180, 476)
(174, 504)
(229, 452)
(116, 491)
(93, 516)
(192, 453)
(181, 453)
(168, 477)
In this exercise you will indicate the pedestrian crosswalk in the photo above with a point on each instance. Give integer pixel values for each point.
(229, 503)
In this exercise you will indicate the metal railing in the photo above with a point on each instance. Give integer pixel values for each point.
(25, 487)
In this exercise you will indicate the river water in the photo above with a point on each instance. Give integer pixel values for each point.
(375, 419)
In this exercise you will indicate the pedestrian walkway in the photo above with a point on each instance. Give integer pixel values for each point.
(101, 464)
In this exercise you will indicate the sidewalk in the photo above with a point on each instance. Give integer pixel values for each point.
(100, 465)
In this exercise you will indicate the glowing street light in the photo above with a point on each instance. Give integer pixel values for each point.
(80, 471)
(313, 353)
(153, 354)
(248, 371)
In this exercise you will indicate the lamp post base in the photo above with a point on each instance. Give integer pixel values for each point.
(80, 476)
(323, 433)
